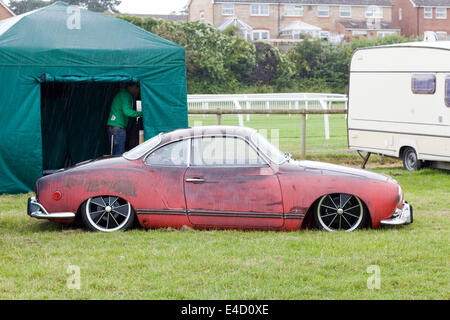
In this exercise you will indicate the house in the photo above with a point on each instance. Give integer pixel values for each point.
(291, 19)
(5, 12)
(416, 17)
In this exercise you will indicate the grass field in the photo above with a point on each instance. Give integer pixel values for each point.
(186, 264)
(414, 260)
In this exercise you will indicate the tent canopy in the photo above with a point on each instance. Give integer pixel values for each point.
(60, 53)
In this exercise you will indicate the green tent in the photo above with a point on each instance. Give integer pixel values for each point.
(60, 68)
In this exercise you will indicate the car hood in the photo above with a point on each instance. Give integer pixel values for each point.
(328, 168)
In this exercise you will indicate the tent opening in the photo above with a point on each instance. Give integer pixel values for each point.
(74, 118)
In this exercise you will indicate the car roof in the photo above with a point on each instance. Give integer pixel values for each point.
(244, 132)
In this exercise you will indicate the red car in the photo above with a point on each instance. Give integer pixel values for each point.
(217, 177)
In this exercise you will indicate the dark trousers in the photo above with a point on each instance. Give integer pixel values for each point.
(120, 138)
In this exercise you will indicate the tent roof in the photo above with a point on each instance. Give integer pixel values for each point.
(47, 37)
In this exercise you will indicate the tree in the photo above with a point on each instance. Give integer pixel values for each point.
(19, 7)
(22, 6)
(97, 5)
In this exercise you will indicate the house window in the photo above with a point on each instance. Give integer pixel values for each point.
(357, 33)
(374, 12)
(260, 35)
(345, 11)
(293, 10)
(400, 16)
(383, 34)
(423, 83)
(428, 13)
(202, 16)
(447, 91)
(323, 11)
(227, 9)
(441, 13)
(259, 10)
(442, 35)
(325, 35)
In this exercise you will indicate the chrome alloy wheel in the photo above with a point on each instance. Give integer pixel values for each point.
(340, 211)
(108, 214)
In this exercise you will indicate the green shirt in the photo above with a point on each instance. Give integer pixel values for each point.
(121, 109)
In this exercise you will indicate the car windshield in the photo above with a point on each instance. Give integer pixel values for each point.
(275, 155)
(142, 149)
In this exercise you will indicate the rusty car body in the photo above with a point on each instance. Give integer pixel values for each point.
(219, 177)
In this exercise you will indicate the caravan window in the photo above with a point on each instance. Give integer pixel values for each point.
(423, 83)
(447, 91)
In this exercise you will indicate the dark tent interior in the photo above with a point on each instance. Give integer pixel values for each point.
(74, 120)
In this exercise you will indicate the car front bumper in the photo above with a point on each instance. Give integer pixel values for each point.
(36, 210)
(401, 216)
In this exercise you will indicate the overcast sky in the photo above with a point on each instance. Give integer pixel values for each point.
(148, 6)
(151, 6)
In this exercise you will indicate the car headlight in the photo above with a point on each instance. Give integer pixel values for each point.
(400, 194)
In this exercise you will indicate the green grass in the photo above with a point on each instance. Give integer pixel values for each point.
(187, 264)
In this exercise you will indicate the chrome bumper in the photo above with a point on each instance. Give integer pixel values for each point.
(36, 210)
(401, 216)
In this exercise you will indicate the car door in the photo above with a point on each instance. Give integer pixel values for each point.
(229, 185)
(166, 168)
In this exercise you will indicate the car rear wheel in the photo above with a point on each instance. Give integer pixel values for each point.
(410, 160)
(107, 214)
(340, 211)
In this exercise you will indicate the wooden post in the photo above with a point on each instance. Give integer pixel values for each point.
(219, 119)
(303, 136)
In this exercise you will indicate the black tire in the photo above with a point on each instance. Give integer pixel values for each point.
(340, 211)
(410, 160)
(107, 214)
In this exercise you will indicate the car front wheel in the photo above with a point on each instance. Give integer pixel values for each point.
(107, 214)
(340, 211)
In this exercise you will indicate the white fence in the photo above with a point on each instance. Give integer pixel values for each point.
(277, 101)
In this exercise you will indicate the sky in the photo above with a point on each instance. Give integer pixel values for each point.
(151, 6)
(148, 6)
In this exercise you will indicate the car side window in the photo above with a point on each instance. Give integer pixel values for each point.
(224, 152)
(172, 155)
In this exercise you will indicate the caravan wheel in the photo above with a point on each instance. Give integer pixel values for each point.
(410, 160)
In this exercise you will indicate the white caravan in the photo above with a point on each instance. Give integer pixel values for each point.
(399, 103)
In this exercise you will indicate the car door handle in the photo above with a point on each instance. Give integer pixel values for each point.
(195, 180)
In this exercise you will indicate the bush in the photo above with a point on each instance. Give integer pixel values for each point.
(223, 62)
(215, 62)
(322, 66)
(271, 68)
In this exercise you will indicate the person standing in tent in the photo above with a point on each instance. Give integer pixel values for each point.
(121, 110)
